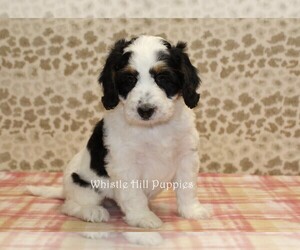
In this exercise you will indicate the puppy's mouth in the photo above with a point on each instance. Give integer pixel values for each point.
(146, 115)
(147, 120)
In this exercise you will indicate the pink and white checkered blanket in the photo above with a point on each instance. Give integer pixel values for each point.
(249, 212)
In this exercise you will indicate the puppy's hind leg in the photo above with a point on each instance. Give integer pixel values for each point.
(84, 202)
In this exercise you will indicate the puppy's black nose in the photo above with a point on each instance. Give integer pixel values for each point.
(146, 111)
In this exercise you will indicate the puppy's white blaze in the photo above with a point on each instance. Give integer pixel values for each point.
(145, 50)
(144, 57)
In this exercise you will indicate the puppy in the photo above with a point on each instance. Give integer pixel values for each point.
(148, 133)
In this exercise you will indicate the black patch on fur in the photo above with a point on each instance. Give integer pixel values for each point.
(167, 44)
(83, 183)
(80, 182)
(126, 81)
(97, 150)
(115, 61)
(178, 61)
(167, 81)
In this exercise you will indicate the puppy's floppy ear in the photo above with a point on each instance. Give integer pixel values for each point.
(110, 97)
(190, 78)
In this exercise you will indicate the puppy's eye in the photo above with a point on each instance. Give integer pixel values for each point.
(161, 78)
(130, 79)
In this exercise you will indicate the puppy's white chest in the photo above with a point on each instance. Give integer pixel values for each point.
(145, 152)
(156, 160)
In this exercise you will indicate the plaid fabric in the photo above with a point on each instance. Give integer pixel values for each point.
(242, 207)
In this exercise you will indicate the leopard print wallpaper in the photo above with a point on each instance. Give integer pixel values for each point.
(150, 9)
(248, 117)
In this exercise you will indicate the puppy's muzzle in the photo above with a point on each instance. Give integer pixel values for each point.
(146, 111)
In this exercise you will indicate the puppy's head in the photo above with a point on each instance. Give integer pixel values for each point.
(147, 75)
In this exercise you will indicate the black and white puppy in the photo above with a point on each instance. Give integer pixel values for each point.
(147, 133)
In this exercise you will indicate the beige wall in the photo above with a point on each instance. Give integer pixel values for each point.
(248, 117)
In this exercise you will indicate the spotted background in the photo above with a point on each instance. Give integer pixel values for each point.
(248, 117)
(150, 8)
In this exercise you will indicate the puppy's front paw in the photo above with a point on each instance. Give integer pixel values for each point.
(146, 220)
(194, 211)
(87, 213)
(95, 214)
